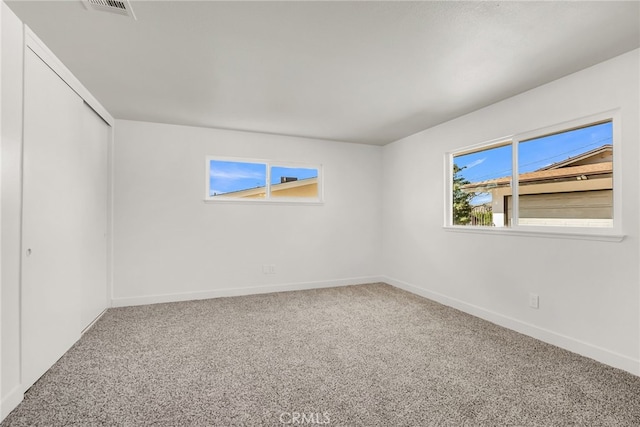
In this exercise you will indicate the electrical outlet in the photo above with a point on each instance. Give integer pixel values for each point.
(534, 301)
(268, 269)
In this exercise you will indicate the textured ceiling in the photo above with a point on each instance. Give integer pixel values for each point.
(368, 72)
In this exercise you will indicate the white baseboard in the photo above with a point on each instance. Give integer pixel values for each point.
(232, 292)
(93, 322)
(11, 401)
(600, 354)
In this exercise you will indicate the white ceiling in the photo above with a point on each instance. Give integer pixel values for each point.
(368, 72)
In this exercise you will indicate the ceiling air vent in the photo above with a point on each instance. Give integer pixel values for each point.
(121, 7)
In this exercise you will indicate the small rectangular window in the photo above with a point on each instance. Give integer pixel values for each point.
(561, 176)
(248, 179)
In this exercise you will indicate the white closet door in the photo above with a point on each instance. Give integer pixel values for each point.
(56, 217)
(93, 152)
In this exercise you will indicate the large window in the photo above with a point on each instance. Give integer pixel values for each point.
(247, 179)
(559, 178)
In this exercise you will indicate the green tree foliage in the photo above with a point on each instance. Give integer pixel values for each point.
(461, 200)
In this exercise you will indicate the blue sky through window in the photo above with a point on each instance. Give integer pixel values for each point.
(540, 152)
(228, 176)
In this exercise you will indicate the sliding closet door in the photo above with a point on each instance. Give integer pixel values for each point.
(64, 218)
(93, 152)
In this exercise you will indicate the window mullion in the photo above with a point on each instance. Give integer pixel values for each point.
(448, 190)
(515, 184)
(267, 193)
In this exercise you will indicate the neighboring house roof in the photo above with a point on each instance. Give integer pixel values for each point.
(274, 188)
(556, 171)
(604, 149)
(544, 175)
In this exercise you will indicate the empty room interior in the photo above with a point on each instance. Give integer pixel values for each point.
(340, 213)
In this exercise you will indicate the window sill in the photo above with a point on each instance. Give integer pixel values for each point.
(553, 234)
(286, 202)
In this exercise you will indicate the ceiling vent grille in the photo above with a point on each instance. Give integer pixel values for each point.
(121, 7)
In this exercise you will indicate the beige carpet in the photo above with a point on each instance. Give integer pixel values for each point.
(368, 355)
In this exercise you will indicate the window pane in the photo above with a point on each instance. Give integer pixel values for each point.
(481, 184)
(566, 179)
(237, 179)
(294, 182)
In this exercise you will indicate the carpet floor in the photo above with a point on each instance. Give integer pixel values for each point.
(367, 355)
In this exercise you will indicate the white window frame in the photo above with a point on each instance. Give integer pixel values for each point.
(614, 233)
(267, 199)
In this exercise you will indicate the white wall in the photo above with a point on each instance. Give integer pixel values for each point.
(170, 245)
(589, 290)
(11, 188)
